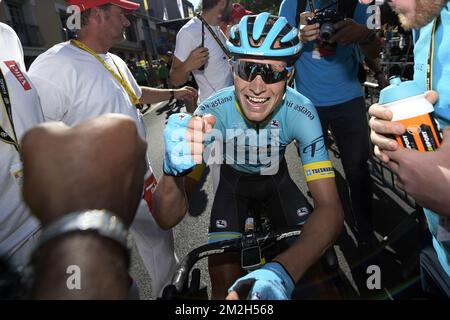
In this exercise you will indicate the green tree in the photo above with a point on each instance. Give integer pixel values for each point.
(256, 7)
(259, 6)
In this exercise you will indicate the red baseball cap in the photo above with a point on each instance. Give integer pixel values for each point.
(238, 11)
(88, 4)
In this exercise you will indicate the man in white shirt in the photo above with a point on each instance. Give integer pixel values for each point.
(200, 49)
(197, 45)
(80, 80)
(20, 110)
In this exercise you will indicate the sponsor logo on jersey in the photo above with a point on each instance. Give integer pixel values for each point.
(275, 124)
(301, 109)
(222, 224)
(181, 116)
(256, 296)
(316, 145)
(318, 170)
(302, 211)
(216, 103)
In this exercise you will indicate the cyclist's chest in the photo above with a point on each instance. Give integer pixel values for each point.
(242, 135)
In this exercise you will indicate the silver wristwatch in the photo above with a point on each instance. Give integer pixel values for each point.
(102, 222)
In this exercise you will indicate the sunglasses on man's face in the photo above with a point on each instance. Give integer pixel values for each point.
(270, 73)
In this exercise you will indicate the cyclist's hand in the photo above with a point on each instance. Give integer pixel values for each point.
(197, 58)
(185, 93)
(308, 32)
(270, 282)
(183, 137)
(382, 127)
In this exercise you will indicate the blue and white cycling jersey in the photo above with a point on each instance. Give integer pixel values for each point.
(441, 83)
(259, 148)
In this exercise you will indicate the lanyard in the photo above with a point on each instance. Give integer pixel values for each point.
(429, 80)
(204, 23)
(4, 136)
(134, 99)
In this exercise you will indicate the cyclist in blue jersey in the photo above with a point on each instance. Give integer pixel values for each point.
(246, 128)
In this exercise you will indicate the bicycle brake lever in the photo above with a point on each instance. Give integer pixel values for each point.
(244, 288)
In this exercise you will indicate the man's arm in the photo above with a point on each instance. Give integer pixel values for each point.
(417, 172)
(425, 175)
(170, 201)
(183, 134)
(102, 264)
(379, 75)
(179, 71)
(153, 95)
(349, 31)
(372, 49)
(64, 172)
(360, 30)
(319, 232)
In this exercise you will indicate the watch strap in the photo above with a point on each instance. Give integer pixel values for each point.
(102, 222)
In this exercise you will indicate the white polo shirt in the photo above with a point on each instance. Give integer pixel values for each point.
(16, 223)
(74, 87)
(217, 74)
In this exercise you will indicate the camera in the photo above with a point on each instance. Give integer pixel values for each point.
(326, 18)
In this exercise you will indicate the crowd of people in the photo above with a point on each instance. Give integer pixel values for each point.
(77, 181)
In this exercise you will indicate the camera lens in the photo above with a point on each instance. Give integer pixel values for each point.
(326, 31)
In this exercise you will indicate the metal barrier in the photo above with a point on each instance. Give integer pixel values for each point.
(382, 175)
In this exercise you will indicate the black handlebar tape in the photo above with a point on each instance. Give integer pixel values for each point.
(195, 281)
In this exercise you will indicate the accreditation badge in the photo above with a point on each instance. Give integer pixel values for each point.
(316, 52)
(16, 171)
(323, 50)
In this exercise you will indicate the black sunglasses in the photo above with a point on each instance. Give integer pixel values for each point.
(270, 73)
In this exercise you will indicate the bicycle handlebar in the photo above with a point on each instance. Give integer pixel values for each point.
(263, 239)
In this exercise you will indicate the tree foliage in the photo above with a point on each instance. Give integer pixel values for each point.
(258, 6)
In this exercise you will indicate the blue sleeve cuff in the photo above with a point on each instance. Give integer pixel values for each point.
(281, 271)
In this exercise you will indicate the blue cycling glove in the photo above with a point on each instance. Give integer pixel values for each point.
(270, 282)
(177, 156)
